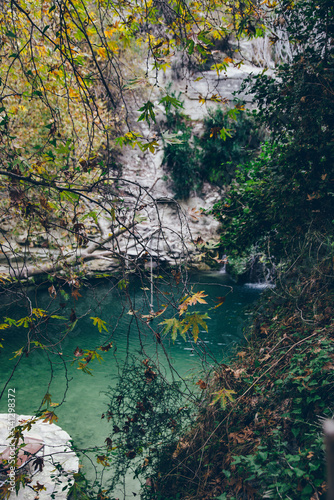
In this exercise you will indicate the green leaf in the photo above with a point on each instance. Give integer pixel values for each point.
(169, 101)
(151, 146)
(169, 138)
(10, 321)
(91, 214)
(190, 46)
(100, 324)
(147, 112)
(175, 325)
(224, 133)
(223, 395)
(191, 321)
(68, 195)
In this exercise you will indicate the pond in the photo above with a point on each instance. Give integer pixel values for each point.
(82, 395)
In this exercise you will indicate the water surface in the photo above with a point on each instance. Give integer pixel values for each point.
(83, 396)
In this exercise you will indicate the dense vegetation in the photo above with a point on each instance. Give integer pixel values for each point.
(229, 136)
(260, 434)
(287, 190)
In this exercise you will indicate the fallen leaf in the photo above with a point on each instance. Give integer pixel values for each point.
(106, 348)
(78, 352)
(201, 384)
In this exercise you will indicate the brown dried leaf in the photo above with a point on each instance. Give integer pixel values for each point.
(201, 384)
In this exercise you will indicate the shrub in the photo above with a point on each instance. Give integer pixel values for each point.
(230, 138)
(181, 155)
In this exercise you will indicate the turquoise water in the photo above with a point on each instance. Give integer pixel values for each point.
(82, 396)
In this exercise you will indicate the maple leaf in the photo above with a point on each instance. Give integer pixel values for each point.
(223, 395)
(16, 435)
(76, 294)
(177, 277)
(39, 313)
(192, 321)
(10, 321)
(83, 367)
(38, 463)
(242, 354)
(175, 325)
(100, 324)
(102, 52)
(147, 112)
(103, 460)
(47, 399)
(17, 353)
(190, 300)
(78, 352)
(38, 487)
(50, 417)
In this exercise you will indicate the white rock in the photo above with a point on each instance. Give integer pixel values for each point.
(57, 451)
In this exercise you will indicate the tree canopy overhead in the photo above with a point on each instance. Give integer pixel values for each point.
(73, 75)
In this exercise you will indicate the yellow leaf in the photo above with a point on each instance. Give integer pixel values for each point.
(17, 353)
(109, 32)
(100, 324)
(103, 460)
(47, 398)
(192, 321)
(223, 395)
(112, 45)
(73, 93)
(102, 52)
(49, 417)
(191, 300)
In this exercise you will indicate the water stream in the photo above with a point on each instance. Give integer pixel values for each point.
(85, 401)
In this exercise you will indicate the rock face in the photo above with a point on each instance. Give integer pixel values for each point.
(167, 227)
(170, 226)
(160, 226)
(56, 451)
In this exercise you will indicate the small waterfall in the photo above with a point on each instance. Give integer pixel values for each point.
(268, 55)
(223, 269)
(224, 261)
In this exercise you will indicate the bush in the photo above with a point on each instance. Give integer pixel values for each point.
(181, 156)
(229, 139)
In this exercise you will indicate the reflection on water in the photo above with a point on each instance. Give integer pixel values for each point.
(84, 400)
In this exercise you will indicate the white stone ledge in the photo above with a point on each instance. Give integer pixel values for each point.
(57, 451)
